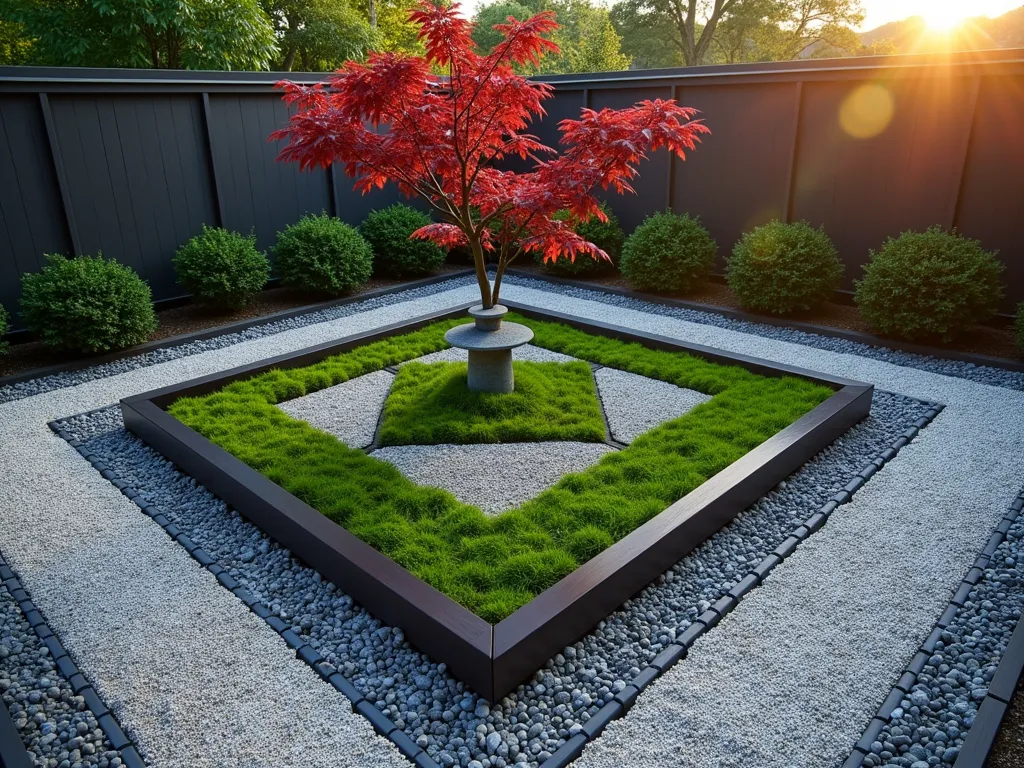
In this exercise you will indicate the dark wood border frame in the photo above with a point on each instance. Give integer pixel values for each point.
(493, 659)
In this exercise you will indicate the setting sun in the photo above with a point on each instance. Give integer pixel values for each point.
(943, 17)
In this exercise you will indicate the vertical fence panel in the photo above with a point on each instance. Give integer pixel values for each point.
(736, 179)
(879, 157)
(260, 194)
(31, 215)
(992, 191)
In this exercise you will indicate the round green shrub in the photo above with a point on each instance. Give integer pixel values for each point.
(3, 329)
(222, 267)
(668, 253)
(606, 235)
(1019, 326)
(89, 304)
(322, 254)
(388, 232)
(929, 285)
(780, 268)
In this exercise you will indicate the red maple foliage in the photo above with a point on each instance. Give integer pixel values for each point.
(440, 137)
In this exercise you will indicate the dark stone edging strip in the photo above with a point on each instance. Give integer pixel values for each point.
(381, 723)
(678, 650)
(858, 337)
(622, 702)
(130, 756)
(228, 328)
(982, 734)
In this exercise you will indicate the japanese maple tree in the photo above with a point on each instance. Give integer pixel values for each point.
(441, 137)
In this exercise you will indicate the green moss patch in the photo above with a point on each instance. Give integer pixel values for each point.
(493, 566)
(430, 405)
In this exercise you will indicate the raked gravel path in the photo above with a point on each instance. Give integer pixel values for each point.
(495, 478)
(793, 675)
(635, 404)
(791, 678)
(349, 411)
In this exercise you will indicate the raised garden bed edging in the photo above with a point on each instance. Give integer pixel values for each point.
(859, 337)
(574, 746)
(9, 756)
(494, 659)
(227, 328)
(981, 736)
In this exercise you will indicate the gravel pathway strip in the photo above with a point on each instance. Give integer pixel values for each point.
(982, 374)
(495, 478)
(349, 411)
(182, 663)
(418, 694)
(527, 353)
(635, 404)
(782, 682)
(979, 422)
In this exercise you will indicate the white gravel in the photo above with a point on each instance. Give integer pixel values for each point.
(635, 404)
(495, 478)
(791, 678)
(349, 411)
(795, 673)
(527, 352)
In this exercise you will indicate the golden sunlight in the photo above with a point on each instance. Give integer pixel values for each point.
(943, 16)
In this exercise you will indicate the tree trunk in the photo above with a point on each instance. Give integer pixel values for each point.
(289, 59)
(372, 8)
(481, 273)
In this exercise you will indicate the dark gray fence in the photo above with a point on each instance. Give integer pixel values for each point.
(132, 162)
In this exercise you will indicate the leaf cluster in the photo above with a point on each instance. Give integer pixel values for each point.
(87, 304)
(322, 254)
(668, 252)
(221, 267)
(781, 268)
(606, 235)
(929, 285)
(395, 252)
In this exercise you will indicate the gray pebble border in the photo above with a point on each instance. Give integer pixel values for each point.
(46, 702)
(661, 652)
(303, 650)
(946, 708)
(997, 377)
(172, 350)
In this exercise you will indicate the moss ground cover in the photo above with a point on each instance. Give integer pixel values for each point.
(430, 404)
(493, 566)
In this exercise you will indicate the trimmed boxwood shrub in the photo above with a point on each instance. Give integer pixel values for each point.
(323, 254)
(394, 253)
(929, 285)
(606, 235)
(668, 253)
(88, 303)
(222, 267)
(780, 268)
(1019, 326)
(3, 329)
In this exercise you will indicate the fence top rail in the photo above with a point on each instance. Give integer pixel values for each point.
(80, 78)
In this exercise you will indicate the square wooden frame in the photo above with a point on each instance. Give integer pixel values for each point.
(493, 659)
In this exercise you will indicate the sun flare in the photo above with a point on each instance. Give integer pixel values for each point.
(944, 16)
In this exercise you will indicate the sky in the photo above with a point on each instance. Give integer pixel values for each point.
(879, 12)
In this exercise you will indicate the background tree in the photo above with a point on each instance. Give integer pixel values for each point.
(745, 30)
(586, 38)
(318, 35)
(394, 31)
(15, 45)
(191, 34)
